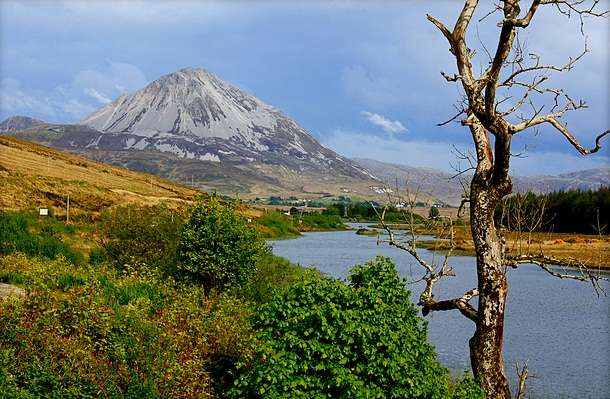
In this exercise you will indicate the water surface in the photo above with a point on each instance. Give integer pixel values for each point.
(560, 327)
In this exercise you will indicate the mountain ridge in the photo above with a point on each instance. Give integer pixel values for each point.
(442, 185)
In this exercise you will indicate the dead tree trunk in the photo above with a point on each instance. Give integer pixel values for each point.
(486, 345)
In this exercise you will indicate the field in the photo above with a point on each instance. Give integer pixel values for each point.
(33, 176)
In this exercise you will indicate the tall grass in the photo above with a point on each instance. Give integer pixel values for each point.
(17, 234)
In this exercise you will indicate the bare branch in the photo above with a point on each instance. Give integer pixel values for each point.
(433, 274)
(444, 30)
(542, 67)
(450, 78)
(525, 21)
(545, 262)
(462, 203)
(522, 373)
(451, 119)
(462, 304)
(553, 121)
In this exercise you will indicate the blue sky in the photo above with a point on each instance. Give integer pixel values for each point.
(363, 77)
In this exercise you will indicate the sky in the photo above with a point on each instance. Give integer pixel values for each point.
(362, 76)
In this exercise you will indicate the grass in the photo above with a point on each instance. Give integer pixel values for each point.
(276, 225)
(18, 233)
(590, 250)
(35, 176)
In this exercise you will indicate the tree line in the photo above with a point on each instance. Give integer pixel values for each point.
(570, 211)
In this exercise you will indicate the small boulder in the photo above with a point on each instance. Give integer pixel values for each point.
(366, 232)
(8, 291)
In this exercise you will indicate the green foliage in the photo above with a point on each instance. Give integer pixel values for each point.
(274, 275)
(93, 332)
(136, 235)
(320, 222)
(572, 211)
(467, 388)
(17, 235)
(434, 213)
(276, 225)
(217, 247)
(365, 211)
(326, 339)
(97, 256)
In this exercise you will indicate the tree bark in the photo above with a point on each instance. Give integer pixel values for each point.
(486, 344)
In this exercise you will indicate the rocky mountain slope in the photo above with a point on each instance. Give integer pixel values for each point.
(192, 126)
(195, 115)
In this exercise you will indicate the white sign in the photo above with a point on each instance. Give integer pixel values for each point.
(43, 212)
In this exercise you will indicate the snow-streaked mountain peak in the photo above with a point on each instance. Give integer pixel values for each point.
(194, 114)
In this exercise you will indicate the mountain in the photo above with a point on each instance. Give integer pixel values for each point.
(192, 126)
(450, 189)
(17, 123)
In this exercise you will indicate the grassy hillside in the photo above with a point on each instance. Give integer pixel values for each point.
(33, 176)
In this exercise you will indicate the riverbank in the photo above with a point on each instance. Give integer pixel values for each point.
(590, 250)
(279, 226)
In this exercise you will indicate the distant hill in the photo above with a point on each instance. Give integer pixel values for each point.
(17, 123)
(442, 185)
(36, 176)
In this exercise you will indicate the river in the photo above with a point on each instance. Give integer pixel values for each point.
(560, 327)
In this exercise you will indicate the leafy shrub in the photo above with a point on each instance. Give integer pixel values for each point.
(326, 339)
(433, 213)
(16, 236)
(141, 235)
(316, 222)
(467, 388)
(274, 275)
(94, 332)
(276, 225)
(217, 247)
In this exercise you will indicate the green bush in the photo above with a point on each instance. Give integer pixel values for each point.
(217, 247)
(326, 339)
(95, 332)
(467, 388)
(276, 225)
(16, 235)
(141, 235)
(274, 275)
(434, 213)
(316, 222)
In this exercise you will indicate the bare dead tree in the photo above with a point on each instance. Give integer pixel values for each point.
(498, 103)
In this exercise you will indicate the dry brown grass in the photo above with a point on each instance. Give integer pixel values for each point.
(591, 250)
(33, 176)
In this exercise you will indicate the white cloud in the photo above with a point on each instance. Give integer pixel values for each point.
(73, 100)
(353, 144)
(388, 125)
(97, 95)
